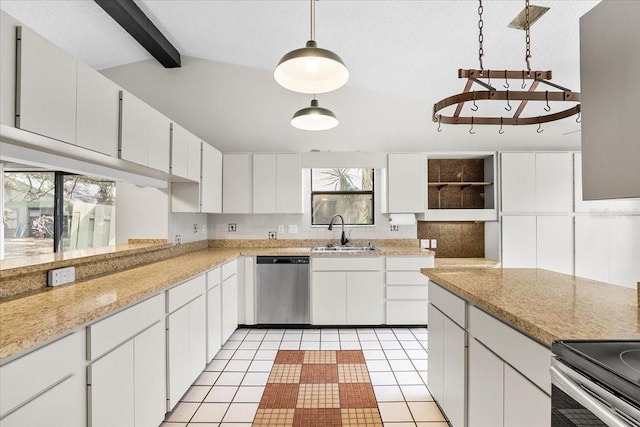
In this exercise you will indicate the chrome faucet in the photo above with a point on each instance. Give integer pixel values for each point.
(343, 238)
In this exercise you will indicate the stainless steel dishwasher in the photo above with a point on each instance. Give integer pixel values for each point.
(282, 290)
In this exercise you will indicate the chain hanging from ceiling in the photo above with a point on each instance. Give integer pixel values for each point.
(478, 76)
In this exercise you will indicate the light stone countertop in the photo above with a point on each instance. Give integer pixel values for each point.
(466, 263)
(37, 317)
(544, 305)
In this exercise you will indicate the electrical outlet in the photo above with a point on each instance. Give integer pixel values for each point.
(61, 276)
(273, 235)
(195, 228)
(394, 227)
(293, 228)
(231, 227)
(281, 229)
(434, 243)
(178, 239)
(424, 243)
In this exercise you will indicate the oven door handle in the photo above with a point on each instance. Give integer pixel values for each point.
(575, 391)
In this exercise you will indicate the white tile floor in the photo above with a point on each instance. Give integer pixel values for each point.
(227, 393)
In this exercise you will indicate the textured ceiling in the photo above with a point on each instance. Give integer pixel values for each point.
(408, 49)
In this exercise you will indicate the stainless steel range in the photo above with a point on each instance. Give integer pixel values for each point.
(595, 383)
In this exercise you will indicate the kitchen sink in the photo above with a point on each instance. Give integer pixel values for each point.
(345, 249)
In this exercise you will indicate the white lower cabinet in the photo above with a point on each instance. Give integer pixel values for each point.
(525, 405)
(186, 347)
(229, 297)
(46, 387)
(347, 291)
(406, 290)
(214, 313)
(132, 375)
(448, 366)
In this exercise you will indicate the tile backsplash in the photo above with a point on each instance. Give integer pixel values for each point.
(454, 239)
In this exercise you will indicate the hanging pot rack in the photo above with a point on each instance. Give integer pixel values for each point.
(561, 94)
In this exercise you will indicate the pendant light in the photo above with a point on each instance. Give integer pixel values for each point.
(314, 118)
(311, 69)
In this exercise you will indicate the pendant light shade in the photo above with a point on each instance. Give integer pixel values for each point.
(314, 118)
(311, 69)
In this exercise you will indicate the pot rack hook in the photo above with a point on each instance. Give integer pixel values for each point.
(579, 118)
(539, 130)
(508, 107)
(471, 131)
(475, 106)
(546, 97)
(439, 120)
(524, 82)
(506, 81)
(500, 131)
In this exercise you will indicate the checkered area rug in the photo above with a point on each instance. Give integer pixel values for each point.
(318, 388)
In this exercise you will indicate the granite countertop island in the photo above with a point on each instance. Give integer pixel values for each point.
(545, 305)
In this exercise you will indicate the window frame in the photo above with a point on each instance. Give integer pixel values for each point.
(361, 192)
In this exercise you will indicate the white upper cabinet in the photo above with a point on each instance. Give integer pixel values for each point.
(277, 183)
(211, 181)
(537, 182)
(46, 88)
(237, 183)
(185, 153)
(406, 183)
(98, 112)
(7, 69)
(144, 134)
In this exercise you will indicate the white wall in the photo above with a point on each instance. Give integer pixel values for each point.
(242, 109)
(258, 226)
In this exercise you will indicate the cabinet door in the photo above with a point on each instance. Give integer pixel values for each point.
(329, 298)
(435, 345)
(265, 188)
(624, 251)
(237, 183)
(62, 405)
(111, 389)
(455, 373)
(518, 180)
(554, 247)
(98, 104)
(525, 405)
(365, 299)
(486, 387)
(407, 182)
(229, 306)
(158, 141)
(179, 150)
(194, 163)
(198, 336)
(519, 241)
(214, 322)
(289, 184)
(592, 247)
(554, 182)
(179, 378)
(150, 395)
(211, 181)
(134, 124)
(46, 88)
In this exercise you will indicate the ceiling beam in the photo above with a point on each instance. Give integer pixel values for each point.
(135, 22)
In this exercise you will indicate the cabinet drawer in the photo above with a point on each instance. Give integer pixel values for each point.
(106, 334)
(408, 292)
(452, 306)
(527, 356)
(407, 312)
(35, 372)
(213, 278)
(182, 294)
(229, 269)
(409, 263)
(406, 278)
(347, 263)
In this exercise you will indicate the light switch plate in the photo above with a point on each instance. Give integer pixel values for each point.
(61, 276)
(292, 228)
(424, 243)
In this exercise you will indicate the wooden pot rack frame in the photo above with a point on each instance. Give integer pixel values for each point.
(474, 76)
